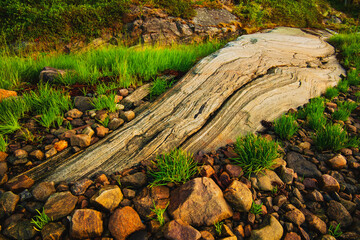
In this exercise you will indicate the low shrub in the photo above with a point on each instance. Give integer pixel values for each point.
(177, 166)
(255, 153)
(286, 126)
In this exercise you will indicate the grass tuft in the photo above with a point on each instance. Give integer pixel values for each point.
(343, 86)
(218, 227)
(177, 166)
(256, 208)
(159, 213)
(344, 110)
(286, 126)
(331, 137)
(255, 153)
(335, 231)
(3, 143)
(331, 92)
(40, 220)
(158, 87)
(105, 102)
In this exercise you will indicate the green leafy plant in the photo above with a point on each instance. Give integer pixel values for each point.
(286, 126)
(3, 143)
(353, 76)
(335, 231)
(255, 153)
(40, 220)
(48, 118)
(159, 213)
(256, 208)
(275, 189)
(218, 227)
(177, 166)
(331, 92)
(331, 137)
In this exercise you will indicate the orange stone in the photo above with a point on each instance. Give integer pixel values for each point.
(6, 93)
(60, 145)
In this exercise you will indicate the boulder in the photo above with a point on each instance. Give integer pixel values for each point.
(123, 222)
(272, 230)
(200, 195)
(178, 230)
(60, 205)
(239, 196)
(86, 223)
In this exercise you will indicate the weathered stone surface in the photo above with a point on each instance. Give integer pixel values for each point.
(108, 197)
(115, 123)
(81, 186)
(316, 223)
(8, 201)
(338, 162)
(295, 216)
(6, 94)
(200, 195)
(60, 205)
(43, 190)
(22, 229)
(265, 180)
(339, 213)
(101, 131)
(281, 57)
(60, 145)
(239, 196)
(136, 180)
(83, 103)
(178, 230)
(53, 231)
(271, 231)
(212, 17)
(301, 166)
(50, 153)
(86, 223)
(74, 113)
(329, 184)
(80, 140)
(123, 222)
(127, 116)
(20, 183)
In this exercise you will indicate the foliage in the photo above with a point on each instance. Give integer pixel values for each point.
(218, 227)
(302, 13)
(105, 123)
(105, 102)
(255, 153)
(40, 220)
(343, 86)
(344, 110)
(256, 208)
(11, 125)
(177, 166)
(3, 143)
(159, 213)
(353, 76)
(331, 92)
(349, 46)
(286, 126)
(316, 120)
(335, 231)
(331, 137)
(316, 105)
(48, 118)
(158, 87)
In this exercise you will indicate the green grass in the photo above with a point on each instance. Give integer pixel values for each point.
(48, 118)
(218, 227)
(316, 105)
(316, 120)
(158, 87)
(159, 212)
(105, 102)
(11, 125)
(331, 137)
(343, 86)
(255, 153)
(3, 143)
(256, 208)
(286, 126)
(40, 220)
(353, 76)
(177, 166)
(335, 231)
(349, 46)
(122, 65)
(344, 110)
(331, 92)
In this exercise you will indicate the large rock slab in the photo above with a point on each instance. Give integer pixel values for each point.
(203, 197)
(227, 94)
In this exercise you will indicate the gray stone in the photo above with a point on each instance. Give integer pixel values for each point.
(135, 180)
(213, 17)
(301, 166)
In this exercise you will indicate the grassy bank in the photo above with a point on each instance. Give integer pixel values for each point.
(123, 66)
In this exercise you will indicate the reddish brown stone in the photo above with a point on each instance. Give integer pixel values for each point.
(160, 192)
(60, 205)
(61, 145)
(329, 184)
(3, 156)
(178, 230)
(292, 236)
(123, 222)
(20, 183)
(6, 93)
(86, 223)
(207, 171)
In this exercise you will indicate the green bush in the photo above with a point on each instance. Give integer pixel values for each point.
(255, 153)
(286, 126)
(177, 166)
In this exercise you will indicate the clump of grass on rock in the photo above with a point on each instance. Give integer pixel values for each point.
(177, 166)
(256, 153)
(286, 126)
